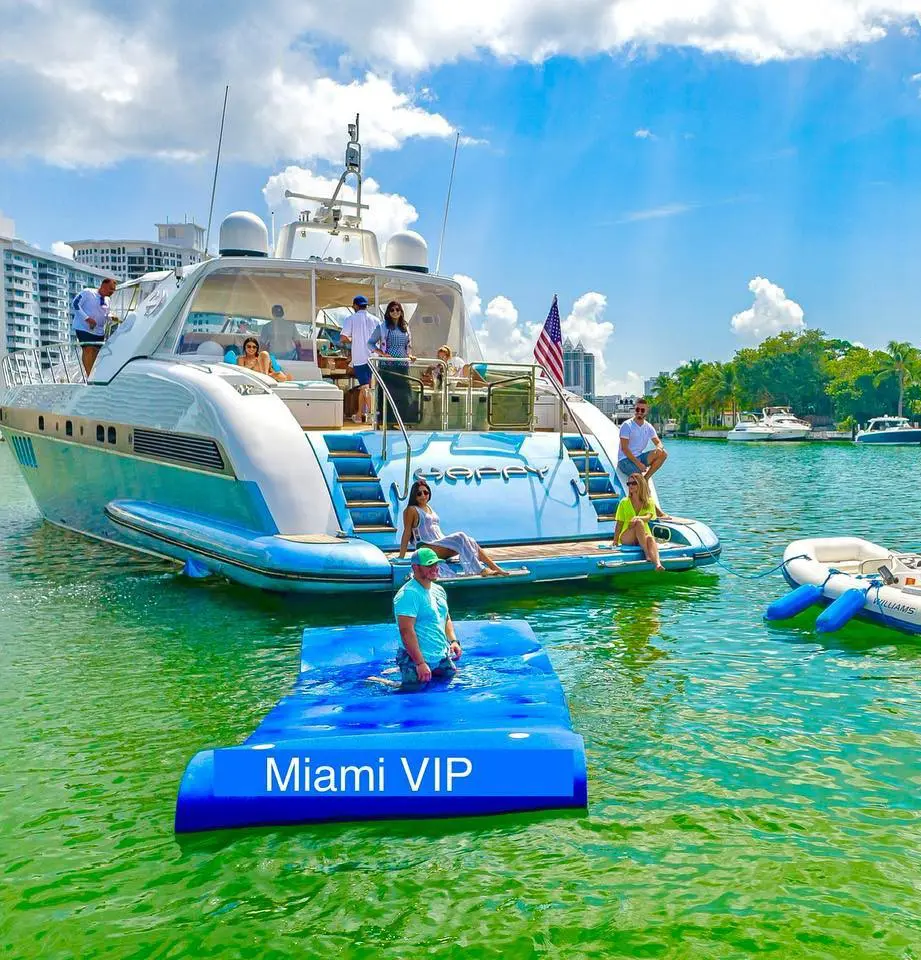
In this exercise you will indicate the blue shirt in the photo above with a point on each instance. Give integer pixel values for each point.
(430, 609)
(393, 341)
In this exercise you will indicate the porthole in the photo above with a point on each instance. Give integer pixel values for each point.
(100, 433)
(111, 434)
(41, 423)
(69, 428)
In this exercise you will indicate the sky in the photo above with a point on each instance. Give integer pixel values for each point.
(688, 176)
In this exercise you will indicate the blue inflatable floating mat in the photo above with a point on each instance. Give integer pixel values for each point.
(496, 738)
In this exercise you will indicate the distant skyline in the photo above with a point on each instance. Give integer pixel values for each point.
(686, 182)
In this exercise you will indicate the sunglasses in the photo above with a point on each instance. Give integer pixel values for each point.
(640, 409)
(632, 484)
(424, 490)
(396, 309)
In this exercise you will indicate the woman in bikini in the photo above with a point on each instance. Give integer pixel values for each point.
(259, 360)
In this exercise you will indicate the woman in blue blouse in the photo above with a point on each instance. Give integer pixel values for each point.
(392, 339)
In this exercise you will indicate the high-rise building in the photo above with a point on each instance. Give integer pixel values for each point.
(38, 288)
(177, 245)
(578, 369)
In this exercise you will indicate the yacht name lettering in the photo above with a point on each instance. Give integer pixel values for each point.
(426, 774)
(481, 473)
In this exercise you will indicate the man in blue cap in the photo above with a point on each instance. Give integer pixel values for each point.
(357, 329)
(429, 645)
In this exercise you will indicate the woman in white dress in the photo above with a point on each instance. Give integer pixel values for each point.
(421, 528)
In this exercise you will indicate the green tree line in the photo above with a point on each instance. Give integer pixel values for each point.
(814, 374)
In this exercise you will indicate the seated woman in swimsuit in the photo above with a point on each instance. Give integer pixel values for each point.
(632, 519)
(421, 529)
(259, 360)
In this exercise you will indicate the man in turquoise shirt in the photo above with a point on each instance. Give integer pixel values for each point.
(429, 645)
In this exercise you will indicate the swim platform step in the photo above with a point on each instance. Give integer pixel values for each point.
(606, 495)
(357, 477)
(374, 528)
(348, 747)
(355, 504)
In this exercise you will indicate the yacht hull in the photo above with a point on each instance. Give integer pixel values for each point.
(899, 438)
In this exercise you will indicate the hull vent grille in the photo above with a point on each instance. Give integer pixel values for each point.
(200, 452)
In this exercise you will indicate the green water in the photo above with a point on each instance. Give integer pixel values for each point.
(752, 791)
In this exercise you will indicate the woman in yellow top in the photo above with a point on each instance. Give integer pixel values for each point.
(632, 519)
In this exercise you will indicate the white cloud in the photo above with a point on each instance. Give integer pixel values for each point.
(7, 226)
(771, 312)
(150, 87)
(61, 249)
(387, 213)
(656, 213)
(502, 337)
(630, 385)
(471, 291)
(424, 33)
(586, 323)
(644, 134)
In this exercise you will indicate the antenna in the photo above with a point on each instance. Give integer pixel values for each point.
(444, 223)
(329, 211)
(217, 163)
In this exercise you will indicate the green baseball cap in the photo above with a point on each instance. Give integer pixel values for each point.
(425, 557)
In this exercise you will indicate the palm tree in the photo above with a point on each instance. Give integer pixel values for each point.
(901, 361)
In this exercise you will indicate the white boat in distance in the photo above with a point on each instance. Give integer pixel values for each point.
(775, 423)
(890, 430)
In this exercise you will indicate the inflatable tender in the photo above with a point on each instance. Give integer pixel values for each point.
(853, 578)
(348, 744)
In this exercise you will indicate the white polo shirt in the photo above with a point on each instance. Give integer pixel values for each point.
(638, 436)
(90, 304)
(358, 327)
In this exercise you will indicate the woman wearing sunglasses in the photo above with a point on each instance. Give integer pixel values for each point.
(259, 360)
(392, 339)
(634, 512)
(421, 528)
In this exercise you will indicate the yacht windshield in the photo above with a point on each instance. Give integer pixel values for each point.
(296, 314)
(231, 305)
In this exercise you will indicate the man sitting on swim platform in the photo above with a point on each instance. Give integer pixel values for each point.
(429, 645)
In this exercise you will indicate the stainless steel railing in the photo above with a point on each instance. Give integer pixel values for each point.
(51, 363)
(375, 363)
(564, 405)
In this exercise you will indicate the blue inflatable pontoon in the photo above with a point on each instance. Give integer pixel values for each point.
(343, 745)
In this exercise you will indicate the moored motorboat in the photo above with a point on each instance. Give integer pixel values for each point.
(173, 447)
(775, 423)
(890, 430)
(852, 577)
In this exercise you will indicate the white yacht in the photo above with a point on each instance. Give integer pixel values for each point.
(170, 448)
(775, 423)
(890, 430)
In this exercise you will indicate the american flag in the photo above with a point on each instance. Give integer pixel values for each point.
(549, 349)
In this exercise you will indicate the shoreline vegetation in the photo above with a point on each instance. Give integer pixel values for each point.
(832, 383)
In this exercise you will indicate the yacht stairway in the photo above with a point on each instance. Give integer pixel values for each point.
(602, 489)
(357, 480)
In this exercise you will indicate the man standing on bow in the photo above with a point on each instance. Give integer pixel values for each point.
(635, 436)
(90, 313)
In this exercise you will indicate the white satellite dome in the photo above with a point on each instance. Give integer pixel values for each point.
(407, 251)
(243, 234)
